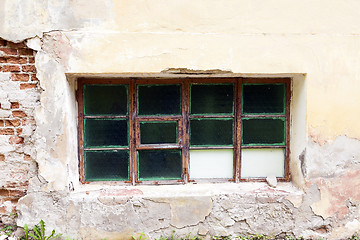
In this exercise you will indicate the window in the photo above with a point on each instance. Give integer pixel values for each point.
(166, 131)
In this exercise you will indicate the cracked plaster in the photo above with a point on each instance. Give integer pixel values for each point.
(241, 36)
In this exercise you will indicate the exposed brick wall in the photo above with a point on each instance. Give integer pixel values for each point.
(18, 97)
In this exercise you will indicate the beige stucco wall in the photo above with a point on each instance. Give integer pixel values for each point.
(317, 43)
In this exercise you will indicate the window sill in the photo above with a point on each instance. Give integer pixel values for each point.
(283, 189)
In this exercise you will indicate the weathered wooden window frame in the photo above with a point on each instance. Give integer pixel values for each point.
(183, 125)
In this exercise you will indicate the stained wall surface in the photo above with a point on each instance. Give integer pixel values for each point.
(316, 43)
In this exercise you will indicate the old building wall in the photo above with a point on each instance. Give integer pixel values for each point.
(316, 43)
(18, 97)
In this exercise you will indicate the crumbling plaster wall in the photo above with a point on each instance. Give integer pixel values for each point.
(315, 42)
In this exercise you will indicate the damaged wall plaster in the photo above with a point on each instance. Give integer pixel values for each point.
(318, 47)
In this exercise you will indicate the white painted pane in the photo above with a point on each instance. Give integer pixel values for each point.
(262, 162)
(211, 163)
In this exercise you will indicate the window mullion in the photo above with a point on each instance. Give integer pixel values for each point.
(185, 129)
(237, 145)
(81, 130)
(132, 131)
(287, 131)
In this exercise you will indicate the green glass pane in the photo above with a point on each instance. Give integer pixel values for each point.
(159, 164)
(211, 132)
(212, 99)
(105, 132)
(264, 98)
(158, 132)
(159, 100)
(263, 131)
(105, 99)
(106, 165)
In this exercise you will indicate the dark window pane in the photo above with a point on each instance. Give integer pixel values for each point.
(105, 99)
(106, 132)
(159, 164)
(263, 131)
(213, 132)
(159, 100)
(212, 99)
(158, 132)
(106, 165)
(263, 98)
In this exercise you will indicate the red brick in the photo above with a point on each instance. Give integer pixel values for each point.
(28, 68)
(27, 86)
(18, 114)
(20, 77)
(16, 45)
(34, 78)
(14, 105)
(31, 60)
(1, 123)
(6, 131)
(28, 121)
(12, 123)
(4, 192)
(2, 157)
(2, 42)
(8, 51)
(19, 131)
(3, 210)
(17, 193)
(16, 140)
(25, 51)
(11, 68)
(27, 157)
(17, 60)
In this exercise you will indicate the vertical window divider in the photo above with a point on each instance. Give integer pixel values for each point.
(237, 144)
(185, 105)
(81, 131)
(287, 126)
(132, 131)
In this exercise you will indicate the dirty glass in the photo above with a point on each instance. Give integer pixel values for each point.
(263, 131)
(105, 99)
(211, 132)
(106, 165)
(212, 99)
(159, 164)
(263, 98)
(158, 132)
(211, 163)
(159, 100)
(105, 132)
(262, 162)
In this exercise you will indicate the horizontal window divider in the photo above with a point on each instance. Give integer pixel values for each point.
(158, 118)
(160, 182)
(265, 80)
(211, 180)
(211, 116)
(263, 116)
(117, 182)
(211, 147)
(103, 149)
(157, 146)
(261, 179)
(263, 146)
(110, 117)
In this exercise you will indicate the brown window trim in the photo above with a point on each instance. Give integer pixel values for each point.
(183, 120)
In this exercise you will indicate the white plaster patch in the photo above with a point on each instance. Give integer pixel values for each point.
(5, 113)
